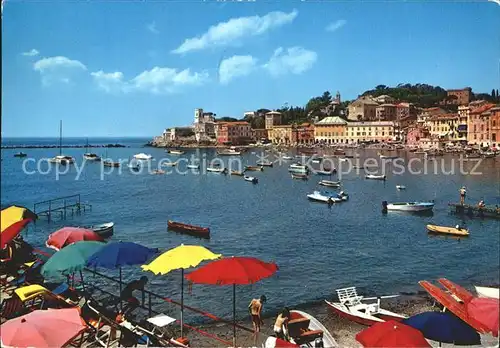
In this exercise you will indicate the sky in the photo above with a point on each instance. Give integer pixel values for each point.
(133, 68)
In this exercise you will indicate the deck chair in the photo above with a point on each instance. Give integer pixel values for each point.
(12, 308)
(349, 296)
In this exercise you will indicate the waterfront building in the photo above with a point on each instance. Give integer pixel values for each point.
(260, 134)
(405, 110)
(362, 109)
(385, 112)
(463, 116)
(177, 133)
(283, 134)
(495, 127)
(376, 131)
(478, 125)
(431, 143)
(426, 114)
(460, 96)
(204, 124)
(166, 135)
(273, 118)
(445, 127)
(330, 130)
(235, 133)
(304, 133)
(415, 134)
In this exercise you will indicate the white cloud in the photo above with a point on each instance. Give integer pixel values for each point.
(152, 28)
(31, 53)
(58, 69)
(157, 80)
(336, 25)
(295, 60)
(495, 1)
(236, 66)
(228, 33)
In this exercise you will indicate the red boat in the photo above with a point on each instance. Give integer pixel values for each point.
(192, 230)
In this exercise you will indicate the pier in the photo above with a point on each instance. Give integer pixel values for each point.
(475, 211)
(61, 207)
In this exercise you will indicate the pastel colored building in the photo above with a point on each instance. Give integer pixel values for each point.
(273, 118)
(385, 112)
(362, 109)
(415, 134)
(478, 126)
(377, 131)
(445, 127)
(235, 133)
(330, 130)
(462, 96)
(304, 133)
(260, 134)
(282, 134)
(495, 127)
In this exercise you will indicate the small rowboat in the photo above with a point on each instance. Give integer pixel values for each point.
(448, 230)
(251, 179)
(329, 183)
(299, 176)
(20, 154)
(254, 168)
(375, 177)
(197, 231)
(401, 187)
(408, 206)
(265, 163)
(235, 172)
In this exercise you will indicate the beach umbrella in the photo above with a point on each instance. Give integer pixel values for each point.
(13, 219)
(43, 328)
(69, 235)
(485, 311)
(71, 259)
(391, 334)
(181, 257)
(233, 271)
(118, 254)
(444, 327)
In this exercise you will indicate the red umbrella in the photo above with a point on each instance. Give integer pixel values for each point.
(391, 334)
(69, 235)
(485, 311)
(12, 231)
(43, 328)
(232, 271)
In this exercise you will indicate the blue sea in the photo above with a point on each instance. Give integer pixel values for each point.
(318, 249)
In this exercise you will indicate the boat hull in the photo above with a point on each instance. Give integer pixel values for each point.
(343, 312)
(410, 207)
(104, 230)
(447, 230)
(196, 231)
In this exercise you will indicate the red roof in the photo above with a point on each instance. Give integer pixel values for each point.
(482, 109)
(444, 117)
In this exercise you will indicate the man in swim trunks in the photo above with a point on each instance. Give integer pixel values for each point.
(281, 323)
(255, 309)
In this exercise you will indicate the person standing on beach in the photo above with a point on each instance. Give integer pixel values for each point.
(255, 309)
(463, 193)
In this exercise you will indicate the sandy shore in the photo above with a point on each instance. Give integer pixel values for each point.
(343, 330)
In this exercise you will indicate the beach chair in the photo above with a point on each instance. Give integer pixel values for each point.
(12, 308)
(349, 296)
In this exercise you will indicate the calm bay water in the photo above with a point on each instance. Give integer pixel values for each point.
(318, 249)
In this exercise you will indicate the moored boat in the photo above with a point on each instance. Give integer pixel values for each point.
(264, 163)
(350, 306)
(135, 166)
(169, 164)
(193, 166)
(299, 176)
(251, 179)
(235, 172)
(408, 206)
(20, 154)
(229, 153)
(143, 157)
(197, 231)
(105, 230)
(217, 170)
(325, 172)
(456, 231)
(254, 168)
(91, 157)
(400, 187)
(323, 198)
(175, 152)
(287, 158)
(329, 183)
(108, 163)
(61, 159)
(375, 177)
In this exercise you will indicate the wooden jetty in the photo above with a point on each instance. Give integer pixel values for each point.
(60, 207)
(475, 211)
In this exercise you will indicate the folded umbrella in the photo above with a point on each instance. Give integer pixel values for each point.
(69, 235)
(444, 327)
(391, 334)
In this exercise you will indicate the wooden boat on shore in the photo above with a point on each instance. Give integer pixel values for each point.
(408, 206)
(350, 306)
(448, 230)
(264, 163)
(251, 179)
(193, 230)
(487, 292)
(254, 168)
(375, 177)
(20, 154)
(329, 183)
(235, 172)
(299, 176)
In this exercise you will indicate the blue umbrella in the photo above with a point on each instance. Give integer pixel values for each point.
(117, 254)
(444, 327)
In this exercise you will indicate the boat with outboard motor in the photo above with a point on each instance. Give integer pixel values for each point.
(251, 179)
(408, 206)
(329, 183)
(375, 177)
(324, 197)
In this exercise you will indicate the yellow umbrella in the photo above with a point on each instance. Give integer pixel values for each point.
(181, 257)
(14, 214)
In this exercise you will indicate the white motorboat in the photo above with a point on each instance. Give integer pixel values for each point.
(287, 158)
(61, 159)
(193, 166)
(304, 331)
(409, 206)
(217, 170)
(350, 306)
(323, 198)
(91, 157)
(143, 157)
(169, 164)
(230, 152)
(316, 161)
(251, 179)
(375, 177)
(401, 187)
(298, 168)
(325, 172)
(343, 159)
(175, 152)
(264, 163)
(483, 291)
(329, 183)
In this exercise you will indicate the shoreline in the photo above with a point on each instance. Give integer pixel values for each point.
(10, 147)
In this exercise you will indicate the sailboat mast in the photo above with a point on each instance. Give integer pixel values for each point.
(60, 137)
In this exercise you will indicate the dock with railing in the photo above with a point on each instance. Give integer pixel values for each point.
(475, 211)
(61, 207)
